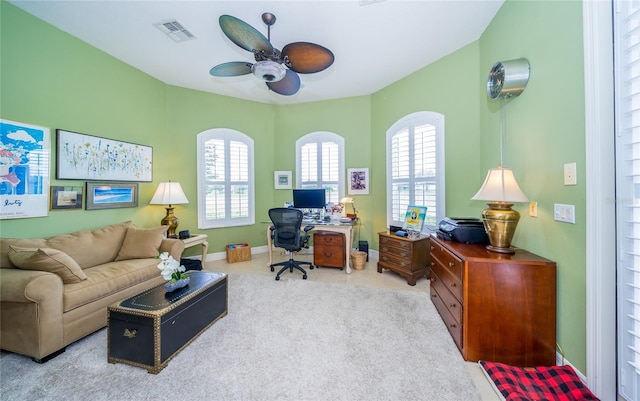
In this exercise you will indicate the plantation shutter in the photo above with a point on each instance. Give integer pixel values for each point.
(627, 59)
(413, 166)
(320, 168)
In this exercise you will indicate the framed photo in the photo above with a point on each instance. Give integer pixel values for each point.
(414, 218)
(66, 198)
(282, 179)
(25, 151)
(111, 195)
(358, 181)
(86, 157)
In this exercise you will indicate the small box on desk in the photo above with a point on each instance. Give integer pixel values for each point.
(238, 253)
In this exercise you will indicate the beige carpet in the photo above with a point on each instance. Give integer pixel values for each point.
(288, 340)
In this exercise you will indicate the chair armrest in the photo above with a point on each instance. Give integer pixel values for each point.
(173, 246)
(307, 228)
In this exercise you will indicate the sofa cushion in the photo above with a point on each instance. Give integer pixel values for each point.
(49, 260)
(109, 279)
(141, 243)
(87, 248)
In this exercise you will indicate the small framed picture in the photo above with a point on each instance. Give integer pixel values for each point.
(66, 198)
(358, 181)
(282, 179)
(111, 195)
(414, 218)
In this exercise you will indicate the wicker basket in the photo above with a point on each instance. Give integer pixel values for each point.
(358, 260)
(238, 253)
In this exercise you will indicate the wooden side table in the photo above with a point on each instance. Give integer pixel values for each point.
(407, 257)
(198, 239)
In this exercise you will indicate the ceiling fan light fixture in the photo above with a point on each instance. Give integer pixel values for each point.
(269, 71)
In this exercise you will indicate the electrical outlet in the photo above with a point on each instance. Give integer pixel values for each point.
(533, 209)
(564, 213)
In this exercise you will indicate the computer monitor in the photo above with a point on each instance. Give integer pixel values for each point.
(309, 198)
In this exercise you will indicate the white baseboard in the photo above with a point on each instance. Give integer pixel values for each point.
(561, 360)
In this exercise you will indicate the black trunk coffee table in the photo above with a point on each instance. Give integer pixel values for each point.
(150, 328)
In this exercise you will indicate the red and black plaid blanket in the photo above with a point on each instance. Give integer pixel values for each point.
(553, 383)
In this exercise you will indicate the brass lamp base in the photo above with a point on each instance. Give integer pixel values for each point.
(170, 220)
(500, 222)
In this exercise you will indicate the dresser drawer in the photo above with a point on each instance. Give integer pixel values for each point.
(394, 245)
(403, 262)
(454, 327)
(448, 279)
(446, 259)
(449, 299)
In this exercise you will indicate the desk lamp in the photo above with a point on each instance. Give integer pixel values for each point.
(348, 201)
(169, 193)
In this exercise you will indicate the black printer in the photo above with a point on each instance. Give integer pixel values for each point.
(467, 230)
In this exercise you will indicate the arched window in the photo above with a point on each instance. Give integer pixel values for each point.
(320, 163)
(225, 179)
(415, 167)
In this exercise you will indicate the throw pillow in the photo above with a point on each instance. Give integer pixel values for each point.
(141, 243)
(48, 260)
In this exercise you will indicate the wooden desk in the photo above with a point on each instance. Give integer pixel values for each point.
(344, 228)
(198, 239)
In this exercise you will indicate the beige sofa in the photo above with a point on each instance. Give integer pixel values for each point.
(55, 290)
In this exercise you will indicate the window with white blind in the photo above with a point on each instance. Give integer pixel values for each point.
(415, 167)
(320, 164)
(627, 89)
(225, 179)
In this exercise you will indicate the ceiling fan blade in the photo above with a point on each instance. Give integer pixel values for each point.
(307, 58)
(231, 69)
(243, 34)
(287, 86)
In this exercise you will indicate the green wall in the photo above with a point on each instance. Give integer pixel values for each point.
(51, 79)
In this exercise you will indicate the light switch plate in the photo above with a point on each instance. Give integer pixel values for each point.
(564, 213)
(570, 174)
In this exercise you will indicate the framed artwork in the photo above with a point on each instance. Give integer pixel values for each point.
(66, 198)
(358, 181)
(282, 179)
(86, 157)
(25, 151)
(111, 195)
(414, 218)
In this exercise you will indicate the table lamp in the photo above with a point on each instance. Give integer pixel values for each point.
(500, 221)
(345, 213)
(169, 193)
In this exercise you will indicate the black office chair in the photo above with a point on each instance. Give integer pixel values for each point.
(285, 233)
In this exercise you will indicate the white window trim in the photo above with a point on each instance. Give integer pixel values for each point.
(600, 230)
(318, 137)
(437, 120)
(226, 134)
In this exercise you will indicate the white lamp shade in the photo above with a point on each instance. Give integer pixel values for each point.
(169, 193)
(500, 185)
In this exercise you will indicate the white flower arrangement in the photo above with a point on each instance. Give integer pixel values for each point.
(172, 271)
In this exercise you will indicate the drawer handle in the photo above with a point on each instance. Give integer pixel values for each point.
(452, 305)
(434, 296)
(327, 255)
(433, 263)
(452, 285)
(385, 249)
(404, 254)
(451, 264)
(432, 247)
(385, 258)
(328, 239)
(129, 333)
(453, 325)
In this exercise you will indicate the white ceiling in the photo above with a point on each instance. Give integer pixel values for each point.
(374, 44)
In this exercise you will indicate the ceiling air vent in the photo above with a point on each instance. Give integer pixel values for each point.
(175, 30)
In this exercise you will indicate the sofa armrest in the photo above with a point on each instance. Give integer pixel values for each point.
(31, 310)
(30, 286)
(173, 246)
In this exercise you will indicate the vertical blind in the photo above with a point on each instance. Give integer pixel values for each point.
(627, 59)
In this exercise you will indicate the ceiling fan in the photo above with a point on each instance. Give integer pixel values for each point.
(278, 69)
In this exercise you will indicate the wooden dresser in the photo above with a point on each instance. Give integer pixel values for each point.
(329, 249)
(497, 307)
(407, 257)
